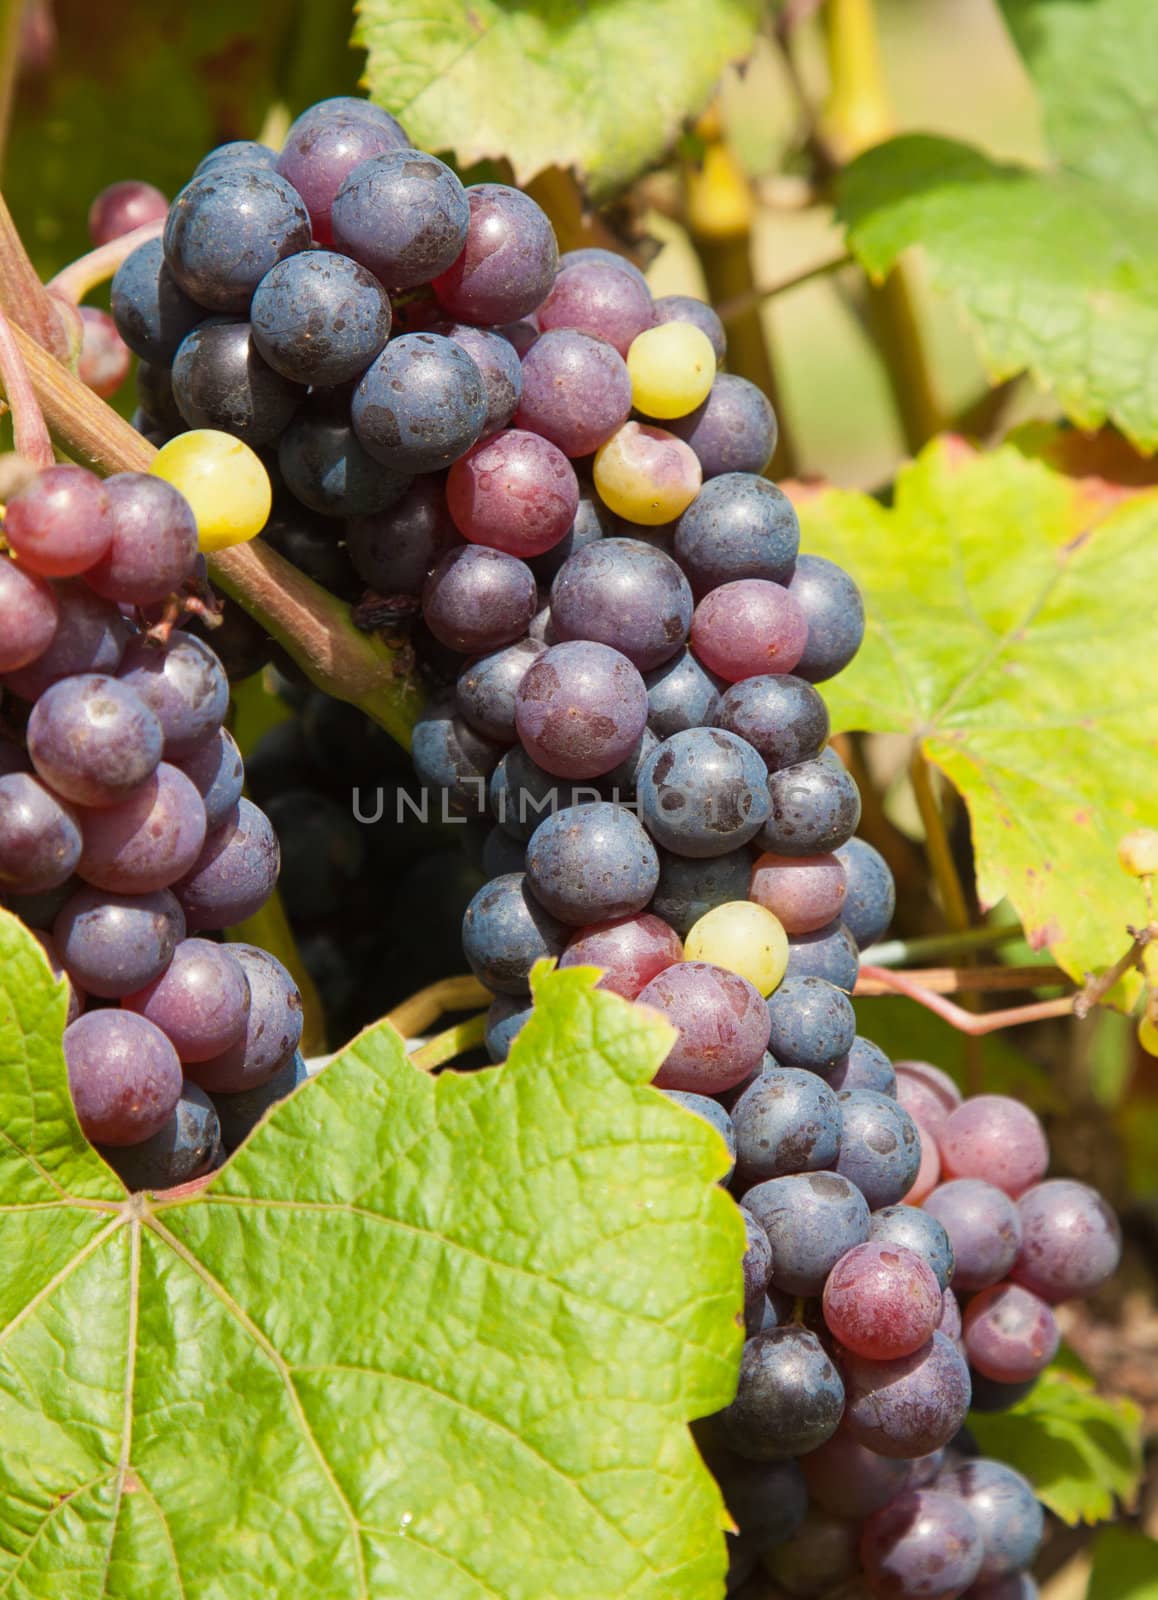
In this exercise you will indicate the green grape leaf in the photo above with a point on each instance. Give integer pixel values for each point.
(1095, 65)
(1081, 1451)
(603, 89)
(1058, 272)
(132, 89)
(1006, 635)
(420, 1336)
(1125, 1566)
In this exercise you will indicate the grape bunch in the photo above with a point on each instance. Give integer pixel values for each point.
(126, 843)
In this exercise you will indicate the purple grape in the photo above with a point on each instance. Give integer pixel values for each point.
(514, 492)
(829, 953)
(813, 1027)
(522, 793)
(227, 228)
(200, 1001)
(917, 1230)
(60, 524)
(789, 1398)
(183, 684)
(592, 522)
(601, 300)
(738, 526)
(623, 593)
(1006, 1511)
(238, 1114)
(576, 391)
(505, 931)
(235, 872)
(804, 892)
(420, 405)
(149, 840)
(703, 792)
(819, 1560)
(834, 611)
(215, 769)
(476, 599)
(179, 1151)
(498, 362)
(40, 836)
(1010, 1335)
(321, 151)
(882, 1301)
(449, 755)
(846, 1480)
(994, 1137)
(929, 1095)
(781, 716)
(909, 1406)
(508, 260)
(580, 709)
(590, 863)
(607, 258)
(686, 308)
(394, 550)
(880, 1148)
(273, 1028)
(124, 1076)
(681, 695)
(688, 888)
(111, 944)
(154, 543)
(486, 689)
(734, 430)
(152, 312)
(925, 1545)
(786, 1121)
(403, 215)
(984, 1228)
(123, 208)
(1070, 1241)
(813, 806)
(871, 895)
(92, 740)
(722, 1023)
(29, 617)
(811, 1219)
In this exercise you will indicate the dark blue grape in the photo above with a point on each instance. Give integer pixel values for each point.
(833, 607)
(311, 543)
(738, 526)
(703, 792)
(155, 397)
(486, 688)
(319, 317)
(507, 1015)
(811, 1219)
(623, 593)
(522, 794)
(346, 108)
(813, 808)
(880, 1148)
(821, 1557)
(152, 312)
(871, 896)
(757, 1262)
(689, 887)
(786, 1121)
(589, 863)
(227, 228)
(681, 694)
(922, 1544)
(403, 215)
(592, 521)
(498, 361)
(323, 852)
(1007, 1513)
(477, 599)
(501, 853)
(829, 953)
(505, 931)
(713, 1112)
(220, 381)
(181, 1150)
(813, 1024)
(733, 431)
(622, 781)
(918, 1231)
(449, 755)
(864, 1067)
(394, 550)
(237, 153)
(325, 467)
(239, 1114)
(421, 405)
(780, 716)
(789, 1398)
(767, 1499)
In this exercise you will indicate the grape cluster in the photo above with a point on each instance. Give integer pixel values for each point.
(126, 843)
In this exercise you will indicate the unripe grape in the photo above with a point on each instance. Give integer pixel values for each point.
(647, 475)
(1148, 1036)
(672, 368)
(224, 482)
(1138, 852)
(744, 938)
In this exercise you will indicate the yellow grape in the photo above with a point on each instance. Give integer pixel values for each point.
(672, 369)
(1148, 1036)
(224, 482)
(744, 938)
(1138, 852)
(646, 474)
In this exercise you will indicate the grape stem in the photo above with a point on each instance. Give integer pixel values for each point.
(967, 980)
(24, 298)
(729, 310)
(415, 1015)
(937, 846)
(29, 429)
(83, 275)
(973, 1024)
(306, 619)
(455, 1041)
(902, 952)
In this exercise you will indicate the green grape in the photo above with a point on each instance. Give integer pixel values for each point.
(672, 368)
(744, 938)
(224, 482)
